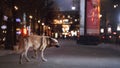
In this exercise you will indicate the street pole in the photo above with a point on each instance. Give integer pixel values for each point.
(11, 26)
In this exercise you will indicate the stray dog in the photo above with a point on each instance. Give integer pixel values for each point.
(37, 43)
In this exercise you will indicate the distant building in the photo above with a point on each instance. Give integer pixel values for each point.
(66, 23)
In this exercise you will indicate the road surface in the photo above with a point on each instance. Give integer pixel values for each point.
(69, 55)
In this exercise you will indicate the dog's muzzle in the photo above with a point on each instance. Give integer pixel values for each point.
(57, 46)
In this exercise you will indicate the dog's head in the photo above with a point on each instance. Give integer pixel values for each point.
(54, 42)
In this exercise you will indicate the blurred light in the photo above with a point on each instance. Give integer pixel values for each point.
(38, 21)
(116, 5)
(18, 32)
(65, 28)
(73, 7)
(30, 16)
(109, 30)
(4, 39)
(74, 33)
(68, 16)
(63, 16)
(118, 36)
(100, 15)
(118, 28)
(71, 22)
(48, 27)
(56, 21)
(3, 27)
(4, 31)
(17, 29)
(102, 30)
(114, 33)
(16, 8)
(29, 30)
(5, 18)
(25, 31)
(75, 20)
(43, 24)
(66, 20)
(18, 20)
(61, 21)
(56, 35)
(110, 36)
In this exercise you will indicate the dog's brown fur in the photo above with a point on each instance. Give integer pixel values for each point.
(37, 43)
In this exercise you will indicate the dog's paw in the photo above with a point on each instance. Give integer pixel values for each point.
(27, 60)
(44, 60)
(20, 63)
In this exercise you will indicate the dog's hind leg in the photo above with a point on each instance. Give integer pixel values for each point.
(35, 54)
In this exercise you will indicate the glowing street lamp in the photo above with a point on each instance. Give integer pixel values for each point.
(118, 28)
(109, 29)
(102, 30)
(43, 24)
(38, 21)
(16, 8)
(116, 5)
(100, 15)
(73, 7)
(30, 16)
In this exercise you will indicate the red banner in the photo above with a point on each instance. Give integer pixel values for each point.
(93, 17)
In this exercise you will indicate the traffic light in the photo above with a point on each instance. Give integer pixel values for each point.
(24, 31)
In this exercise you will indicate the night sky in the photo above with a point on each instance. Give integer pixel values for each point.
(64, 5)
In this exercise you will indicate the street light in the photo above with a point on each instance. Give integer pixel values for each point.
(73, 7)
(38, 21)
(30, 16)
(31, 27)
(15, 7)
(43, 26)
(100, 16)
(116, 5)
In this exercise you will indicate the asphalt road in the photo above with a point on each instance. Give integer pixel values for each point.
(69, 55)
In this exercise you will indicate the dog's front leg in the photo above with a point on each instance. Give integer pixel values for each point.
(42, 55)
(21, 57)
(26, 57)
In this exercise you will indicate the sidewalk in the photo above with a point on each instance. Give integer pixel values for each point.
(108, 45)
(4, 52)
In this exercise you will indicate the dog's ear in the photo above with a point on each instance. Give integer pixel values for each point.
(50, 38)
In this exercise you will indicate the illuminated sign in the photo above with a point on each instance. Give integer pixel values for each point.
(18, 20)
(3, 27)
(5, 18)
(92, 17)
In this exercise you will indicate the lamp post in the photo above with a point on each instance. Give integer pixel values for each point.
(43, 27)
(73, 5)
(11, 25)
(38, 30)
(31, 25)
